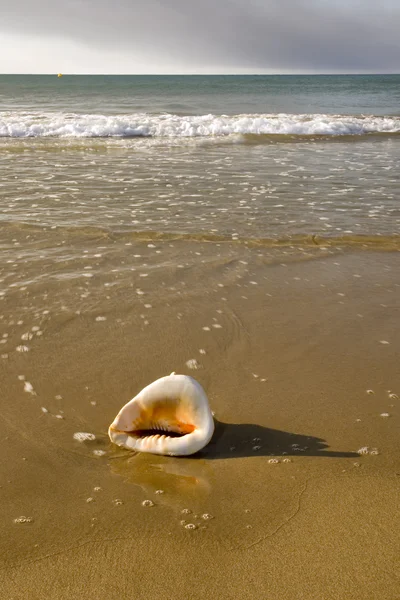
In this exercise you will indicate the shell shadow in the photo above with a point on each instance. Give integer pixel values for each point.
(232, 440)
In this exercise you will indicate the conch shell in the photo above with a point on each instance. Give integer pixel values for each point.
(170, 416)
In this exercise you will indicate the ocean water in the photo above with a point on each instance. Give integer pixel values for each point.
(91, 164)
(260, 157)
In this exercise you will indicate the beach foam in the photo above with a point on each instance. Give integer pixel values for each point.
(71, 125)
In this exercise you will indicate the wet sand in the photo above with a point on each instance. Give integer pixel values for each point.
(299, 355)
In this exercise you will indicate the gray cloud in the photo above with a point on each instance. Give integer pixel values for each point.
(313, 35)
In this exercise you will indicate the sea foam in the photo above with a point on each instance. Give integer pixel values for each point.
(70, 125)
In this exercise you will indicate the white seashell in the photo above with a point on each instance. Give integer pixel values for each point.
(170, 416)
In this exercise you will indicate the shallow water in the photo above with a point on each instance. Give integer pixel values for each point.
(267, 191)
(298, 358)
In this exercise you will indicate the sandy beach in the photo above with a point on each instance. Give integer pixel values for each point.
(296, 497)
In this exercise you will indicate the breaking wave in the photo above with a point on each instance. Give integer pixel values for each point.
(70, 125)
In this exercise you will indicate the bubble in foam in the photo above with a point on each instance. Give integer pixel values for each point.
(23, 519)
(26, 336)
(147, 503)
(192, 364)
(99, 452)
(83, 436)
(363, 451)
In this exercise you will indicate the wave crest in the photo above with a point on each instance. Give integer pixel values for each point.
(69, 125)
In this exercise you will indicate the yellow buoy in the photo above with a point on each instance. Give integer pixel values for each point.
(59, 75)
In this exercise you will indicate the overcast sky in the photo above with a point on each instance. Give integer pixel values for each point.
(199, 36)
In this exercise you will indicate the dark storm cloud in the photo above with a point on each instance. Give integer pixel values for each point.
(313, 35)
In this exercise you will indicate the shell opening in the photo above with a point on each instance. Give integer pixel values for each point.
(166, 429)
(143, 433)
